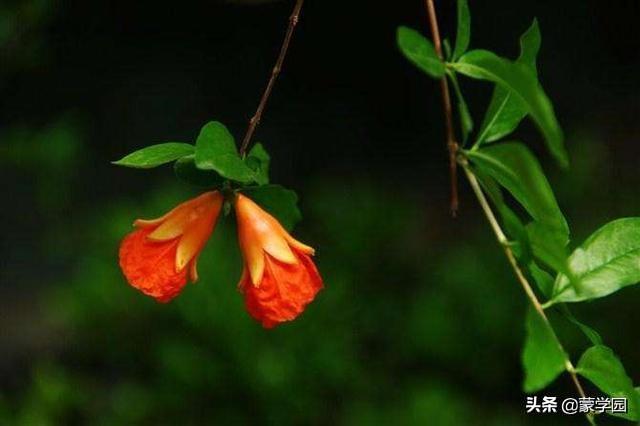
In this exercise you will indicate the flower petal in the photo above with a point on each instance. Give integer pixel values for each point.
(172, 227)
(262, 229)
(150, 266)
(251, 251)
(177, 220)
(146, 223)
(285, 290)
(193, 269)
(274, 243)
(154, 258)
(202, 221)
(299, 246)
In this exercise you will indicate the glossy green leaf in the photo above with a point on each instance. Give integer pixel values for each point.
(258, 160)
(420, 51)
(463, 34)
(514, 167)
(505, 109)
(280, 202)
(216, 150)
(521, 82)
(606, 262)
(155, 155)
(466, 122)
(600, 365)
(542, 358)
(186, 170)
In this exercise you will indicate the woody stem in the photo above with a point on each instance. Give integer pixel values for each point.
(484, 204)
(255, 120)
(452, 145)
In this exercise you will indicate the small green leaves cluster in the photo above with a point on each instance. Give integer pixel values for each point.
(538, 233)
(214, 162)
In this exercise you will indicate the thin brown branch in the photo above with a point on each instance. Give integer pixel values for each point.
(253, 123)
(493, 222)
(452, 145)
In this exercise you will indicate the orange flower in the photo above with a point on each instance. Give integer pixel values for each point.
(279, 278)
(161, 254)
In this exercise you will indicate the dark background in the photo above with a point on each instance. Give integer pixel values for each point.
(421, 319)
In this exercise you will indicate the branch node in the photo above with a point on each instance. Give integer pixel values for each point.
(504, 242)
(569, 367)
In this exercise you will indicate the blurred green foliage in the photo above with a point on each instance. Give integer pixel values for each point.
(415, 326)
(49, 154)
(420, 323)
(381, 345)
(357, 356)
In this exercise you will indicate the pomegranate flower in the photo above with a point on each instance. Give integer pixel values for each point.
(161, 254)
(279, 278)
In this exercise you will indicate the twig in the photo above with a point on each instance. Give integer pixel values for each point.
(493, 222)
(452, 145)
(526, 286)
(253, 123)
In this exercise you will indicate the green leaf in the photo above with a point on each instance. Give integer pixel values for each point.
(186, 170)
(506, 110)
(514, 167)
(446, 48)
(521, 82)
(591, 334)
(549, 244)
(606, 262)
(216, 150)
(588, 331)
(463, 34)
(530, 45)
(258, 160)
(419, 51)
(542, 278)
(601, 366)
(280, 202)
(466, 122)
(542, 358)
(515, 230)
(155, 155)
